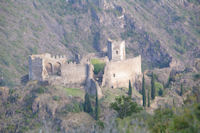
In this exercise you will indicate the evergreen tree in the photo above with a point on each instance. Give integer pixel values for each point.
(181, 92)
(87, 104)
(97, 107)
(143, 92)
(148, 97)
(125, 106)
(153, 91)
(130, 89)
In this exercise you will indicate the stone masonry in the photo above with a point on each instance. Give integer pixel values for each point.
(117, 72)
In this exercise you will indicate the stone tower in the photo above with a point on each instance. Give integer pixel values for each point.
(116, 50)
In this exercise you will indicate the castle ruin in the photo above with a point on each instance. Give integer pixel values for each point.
(117, 71)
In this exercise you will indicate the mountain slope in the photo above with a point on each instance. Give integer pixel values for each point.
(161, 31)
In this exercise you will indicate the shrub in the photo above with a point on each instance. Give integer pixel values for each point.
(100, 124)
(56, 98)
(125, 106)
(159, 89)
(41, 90)
(196, 76)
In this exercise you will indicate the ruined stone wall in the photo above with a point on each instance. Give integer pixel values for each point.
(117, 74)
(44, 65)
(74, 74)
(35, 68)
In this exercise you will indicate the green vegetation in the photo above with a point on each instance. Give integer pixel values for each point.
(153, 91)
(97, 109)
(194, 1)
(100, 124)
(125, 106)
(143, 91)
(159, 89)
(87, 105)
(130, 89)
(196, 76)
(75, 92)
(74, 106)
(56, 98)
(183, 120)
(41, 90)
(98, 65)
(133, 123)
(148, 98)
(181, 91)
(110, 95)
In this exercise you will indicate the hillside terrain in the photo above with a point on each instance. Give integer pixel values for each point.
(166, 33)
(161, 31)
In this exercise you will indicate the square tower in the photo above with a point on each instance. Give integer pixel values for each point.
(116, 50)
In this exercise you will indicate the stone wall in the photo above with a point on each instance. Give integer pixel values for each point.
(44, 65)
(117, 74)
(35, 68)
(74, 74)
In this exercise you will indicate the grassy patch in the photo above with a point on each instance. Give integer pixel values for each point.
(98, 65)
(75, 92)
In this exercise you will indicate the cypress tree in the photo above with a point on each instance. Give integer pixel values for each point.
(153, 91)
(143, 92)
(148, 98)
(130, 89)
(181, 93)
(97, 107)
(87, 104)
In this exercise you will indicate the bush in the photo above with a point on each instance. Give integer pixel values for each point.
(100, 124)
(159, 89)
(40, 90)
(196, 76)
(125, 106)
(56, 98)
(181, 120)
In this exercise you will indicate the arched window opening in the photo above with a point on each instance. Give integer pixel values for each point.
(49, 68)
(57, 69)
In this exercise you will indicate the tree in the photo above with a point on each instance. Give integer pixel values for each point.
(97, 107)
(153, 91)
(87, 104)
(143, 92)
(148, 97)
(181, 92)
(130, 89)
(125, 106)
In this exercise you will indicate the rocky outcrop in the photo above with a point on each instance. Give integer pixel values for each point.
(91, 85)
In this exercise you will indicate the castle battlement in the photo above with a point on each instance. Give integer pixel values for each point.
(58, 56)
(117, 72)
